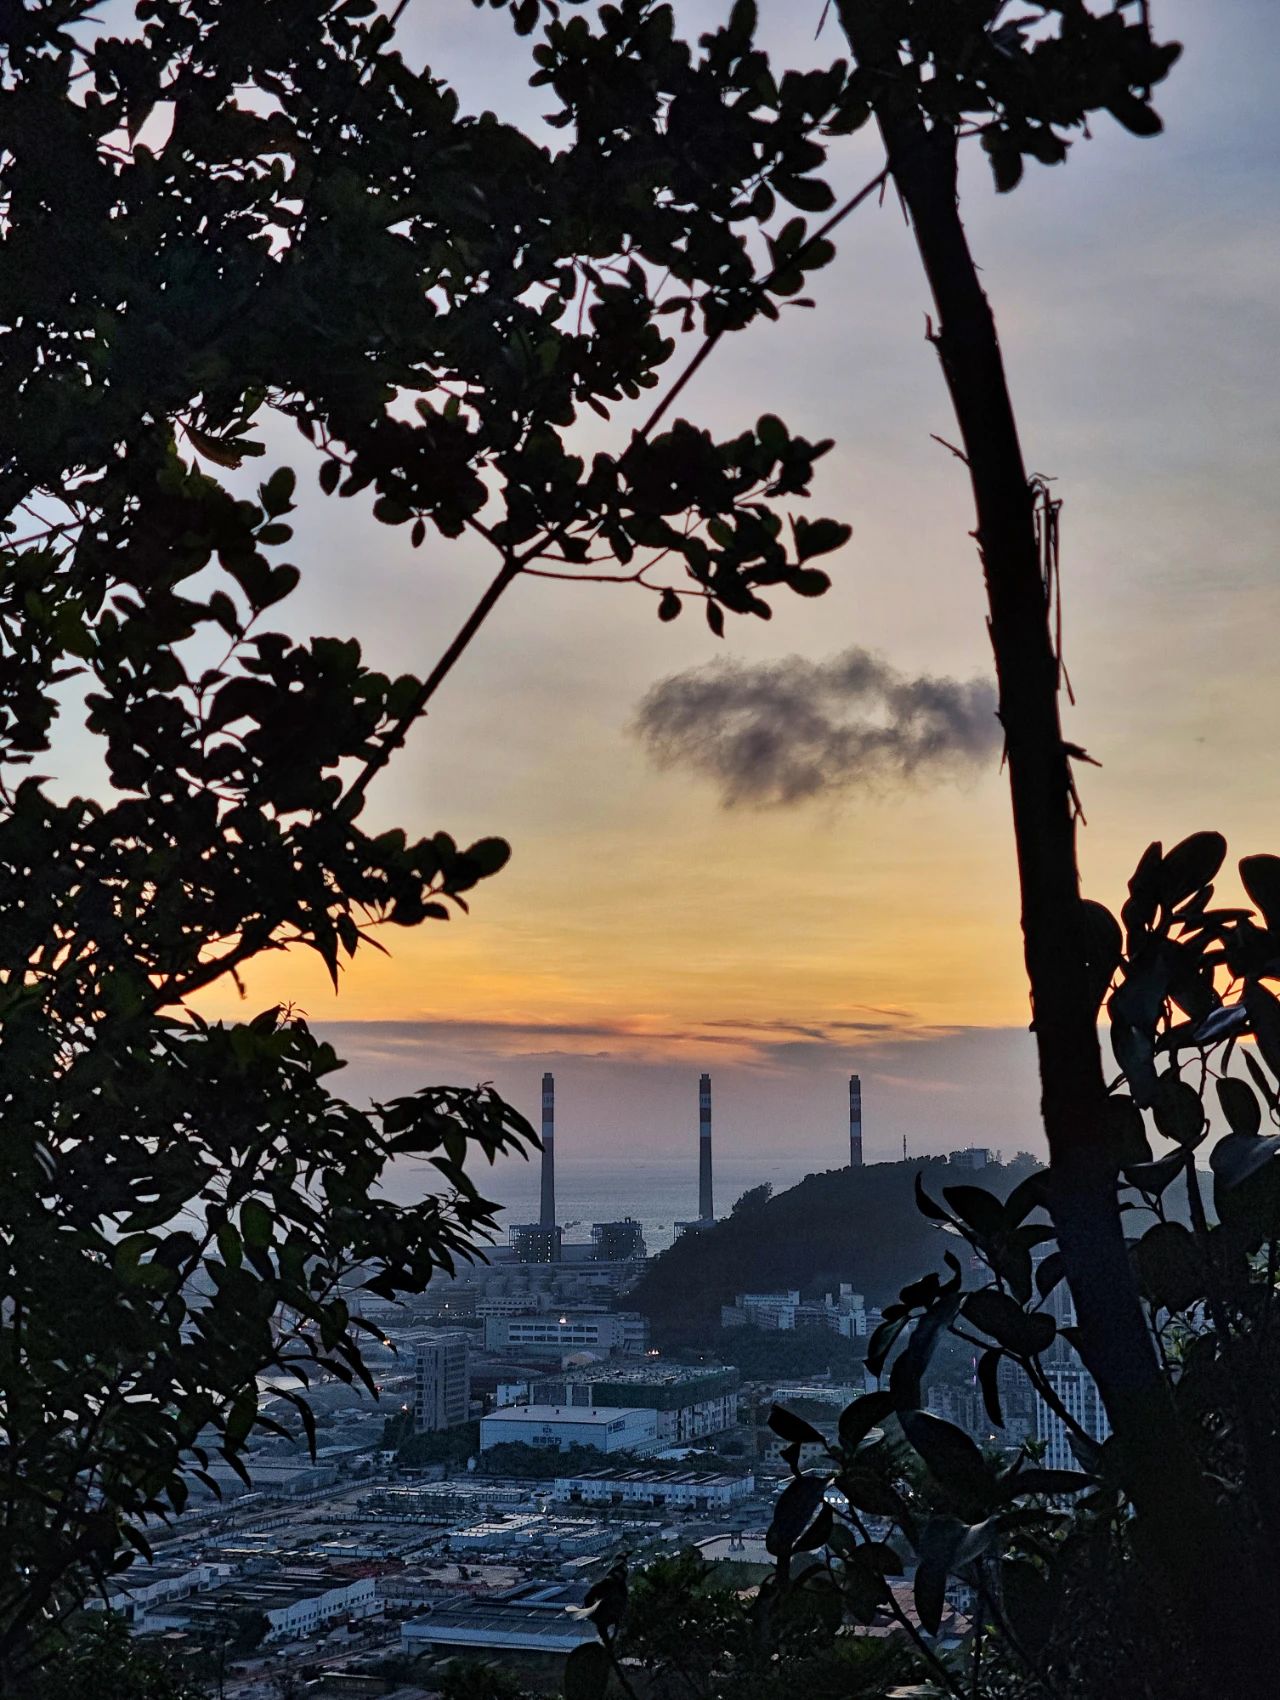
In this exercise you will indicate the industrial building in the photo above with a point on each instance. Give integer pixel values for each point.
(530, 1624)
(691, 1402)
(616, 1242)
(536, 1242)
(441, 1382)
(295, 1603)
(686, 1490)
(551, 1334)
(611, 1429)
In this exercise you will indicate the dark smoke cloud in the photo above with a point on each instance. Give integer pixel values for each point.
(784, 731)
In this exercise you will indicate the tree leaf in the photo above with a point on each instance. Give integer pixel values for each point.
(791, 1427)
(952, 1458)
(1239, 1105)
(586, 1672)
(1170, 1266)
(1024, 1333)
(858, 1419)
(1239, 1155)
(1260, 876)
(1189, 866)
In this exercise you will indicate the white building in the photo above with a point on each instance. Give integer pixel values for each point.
(441, 1383)
(555, 1332)
(512, 1304)
(308, 1609)
(687, 1490)
(605, 1430)
(692, 1402)
(844, 1313)
(761, 1310)
(1079, 1395)
(147, 1587)
(294, 1605)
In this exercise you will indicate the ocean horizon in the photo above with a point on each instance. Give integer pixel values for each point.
(658, 1191)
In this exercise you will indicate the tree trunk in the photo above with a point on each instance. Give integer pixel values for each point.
(1172, 1499)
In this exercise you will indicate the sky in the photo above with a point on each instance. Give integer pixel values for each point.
(648, 926)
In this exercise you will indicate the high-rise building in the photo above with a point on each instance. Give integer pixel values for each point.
(1078, 1394)
(547, 1217)
(706, 1201)
(441, 1383)
(855, 1121)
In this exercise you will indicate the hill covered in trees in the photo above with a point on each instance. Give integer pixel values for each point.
(855, 1225)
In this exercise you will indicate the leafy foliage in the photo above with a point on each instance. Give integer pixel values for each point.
(102, 1662)
(218, 215)
(1047, 1553)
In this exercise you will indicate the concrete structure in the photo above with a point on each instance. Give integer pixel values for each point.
(530, 1624)
(554, 1333)
(972, 1157)
(1078, 1393)
(512, 1304)
(684, 1490)
(706, 1199)
(962, 1406)
(531, 1242)
(273, 1478)
(296, 1603)
(844, 1313)
(611, 1429)
(615, 1242)
(547, 1215)
(691, 1403)
(441, 1382)
(761, 1310)
(145, 1588)
(855, 1121)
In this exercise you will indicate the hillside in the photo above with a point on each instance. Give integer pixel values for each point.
(855, 1225)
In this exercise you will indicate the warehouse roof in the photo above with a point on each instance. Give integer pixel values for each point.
(562, 1414)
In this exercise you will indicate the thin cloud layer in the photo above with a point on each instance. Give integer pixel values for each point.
(784, 732)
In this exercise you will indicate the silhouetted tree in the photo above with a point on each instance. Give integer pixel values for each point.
(217, 214)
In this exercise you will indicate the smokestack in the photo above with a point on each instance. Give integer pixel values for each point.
(855, 1121)
(706, 1205)
(548, 1216)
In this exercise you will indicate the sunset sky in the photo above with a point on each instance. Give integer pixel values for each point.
(644, 930)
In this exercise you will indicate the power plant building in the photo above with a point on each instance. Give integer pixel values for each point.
(531, 1242)
(618, 1242)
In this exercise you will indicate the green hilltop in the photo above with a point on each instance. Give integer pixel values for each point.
(855, 1225)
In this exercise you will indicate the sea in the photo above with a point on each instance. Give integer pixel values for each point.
(657, 1190)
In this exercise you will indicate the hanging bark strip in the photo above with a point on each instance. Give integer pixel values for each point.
(1176, 1513)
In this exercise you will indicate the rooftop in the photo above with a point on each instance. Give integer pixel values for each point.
(532, 1616)
(583, 1414)
(667, 1478)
